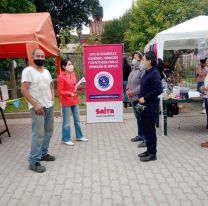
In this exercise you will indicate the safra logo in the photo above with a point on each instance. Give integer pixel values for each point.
(103, 81)
(105, 111)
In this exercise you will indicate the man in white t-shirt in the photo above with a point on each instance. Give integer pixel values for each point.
(37, 88)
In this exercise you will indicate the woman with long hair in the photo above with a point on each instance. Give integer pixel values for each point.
(69, 100)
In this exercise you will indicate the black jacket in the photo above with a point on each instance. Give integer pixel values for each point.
(126, 70)
(151, 87)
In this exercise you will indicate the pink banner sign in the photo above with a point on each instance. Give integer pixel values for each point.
(103, 72)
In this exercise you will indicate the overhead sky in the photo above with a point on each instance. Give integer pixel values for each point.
(112, 9)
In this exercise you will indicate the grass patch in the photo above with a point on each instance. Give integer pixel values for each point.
(23, 106)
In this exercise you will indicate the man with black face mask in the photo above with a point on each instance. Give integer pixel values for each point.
(37, 88)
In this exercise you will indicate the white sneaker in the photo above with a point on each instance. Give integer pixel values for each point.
(82, 139)
(203, 111)
(70, 143)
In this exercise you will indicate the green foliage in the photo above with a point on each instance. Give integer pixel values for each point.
(114, 31)
(78, 49)
(92, 39)
(67, 14)
(150, 17)
(73, 39)
(23, 107)
(51, 66)
(66, 37)
(19, 6)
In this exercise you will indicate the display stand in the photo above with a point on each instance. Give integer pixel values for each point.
(171, 101)
(5, 123)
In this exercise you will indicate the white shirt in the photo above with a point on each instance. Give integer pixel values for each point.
(39, 85)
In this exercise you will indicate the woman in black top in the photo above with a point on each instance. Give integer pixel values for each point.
(151, 87)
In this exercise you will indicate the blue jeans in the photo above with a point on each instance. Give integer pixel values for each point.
(125, 97)
(66, 132)
(42, 130)
(139, 122)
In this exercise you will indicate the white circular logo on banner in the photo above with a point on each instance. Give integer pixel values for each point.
(103, 81)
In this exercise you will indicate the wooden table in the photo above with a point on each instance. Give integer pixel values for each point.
(172, 101)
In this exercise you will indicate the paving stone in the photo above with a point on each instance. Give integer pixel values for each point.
(97, 199)
(12, 202)
(106, 192)
(34, 201)
(5, 199)
(46, 196)
(106, 170)
(87, 194)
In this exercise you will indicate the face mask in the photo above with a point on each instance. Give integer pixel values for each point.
(143, 65)
(70, 68)
(39, 62)
(134, 62)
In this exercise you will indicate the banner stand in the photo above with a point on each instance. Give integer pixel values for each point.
(103, 74)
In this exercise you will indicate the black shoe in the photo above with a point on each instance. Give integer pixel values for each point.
(150, 157)
(170, 114)
(48, 158)
(130, 104)
(143, 144)
(125, 105)
(37, 167)
(144, 154)
(136, 139)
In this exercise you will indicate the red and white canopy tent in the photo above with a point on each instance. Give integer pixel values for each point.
(22, 33)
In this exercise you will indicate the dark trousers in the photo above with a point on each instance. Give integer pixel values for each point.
(149, 118)
(139, 121)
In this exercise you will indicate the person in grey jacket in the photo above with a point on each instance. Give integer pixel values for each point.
(133, 92)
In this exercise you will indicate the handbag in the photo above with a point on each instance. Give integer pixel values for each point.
(140, 108)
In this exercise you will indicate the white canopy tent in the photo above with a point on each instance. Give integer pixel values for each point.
(181, 36)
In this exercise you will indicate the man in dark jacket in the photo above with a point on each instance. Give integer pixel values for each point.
(151, 87)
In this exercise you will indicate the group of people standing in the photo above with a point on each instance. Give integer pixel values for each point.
(143, 87)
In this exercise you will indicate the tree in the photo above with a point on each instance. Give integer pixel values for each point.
(114, 31)
(20, 6)
(150, 17)
(93, 39)
(67, 13)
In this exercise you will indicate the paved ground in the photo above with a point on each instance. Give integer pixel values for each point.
(106, 170)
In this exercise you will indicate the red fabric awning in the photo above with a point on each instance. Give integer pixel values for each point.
(21, 33)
